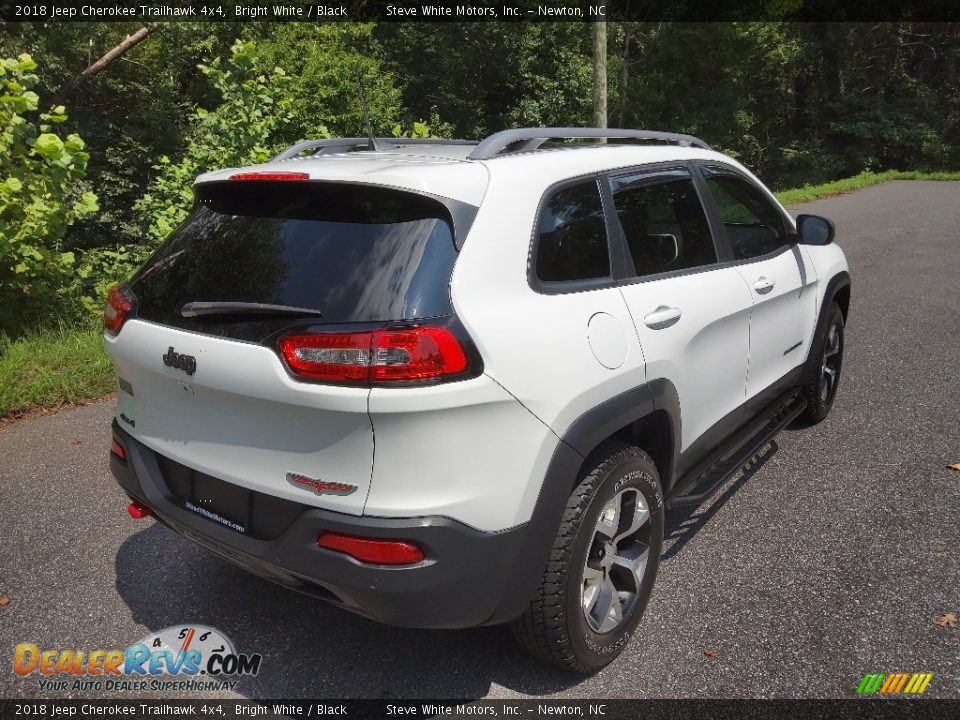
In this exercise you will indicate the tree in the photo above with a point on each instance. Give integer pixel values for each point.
(41, 195)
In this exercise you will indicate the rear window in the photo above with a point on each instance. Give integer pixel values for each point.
(355, 253)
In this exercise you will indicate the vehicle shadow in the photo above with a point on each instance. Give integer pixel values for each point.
(311, 649)
(683, 523)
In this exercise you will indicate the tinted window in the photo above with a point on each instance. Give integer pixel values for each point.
(356, 253)
(754, 225)
(572, 244)
(663, 222)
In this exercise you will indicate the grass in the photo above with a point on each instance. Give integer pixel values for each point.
(809, 193)
(67, 365)
(49, 368)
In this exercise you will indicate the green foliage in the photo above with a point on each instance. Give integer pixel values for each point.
(41, 195)
(327, 60)
(809, 193)
(51, 367)
(255, 107)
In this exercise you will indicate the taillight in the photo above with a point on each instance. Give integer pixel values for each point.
(372, 550)
(270, 176)
(121, 303)
(381, 356)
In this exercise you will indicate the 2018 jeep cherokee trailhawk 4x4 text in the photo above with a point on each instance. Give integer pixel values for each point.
(446, 384)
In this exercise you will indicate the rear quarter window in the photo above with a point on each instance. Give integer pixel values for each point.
(571, 239)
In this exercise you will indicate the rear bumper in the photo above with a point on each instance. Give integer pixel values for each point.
(468, 577)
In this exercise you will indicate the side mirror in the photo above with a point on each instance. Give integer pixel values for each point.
(815, 230)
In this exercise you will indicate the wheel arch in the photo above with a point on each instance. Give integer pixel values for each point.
(647, 416)
(837, 290)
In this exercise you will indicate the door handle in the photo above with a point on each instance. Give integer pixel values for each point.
(763, 285)
(662, 317)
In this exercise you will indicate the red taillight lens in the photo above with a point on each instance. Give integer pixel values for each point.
(381, 356)
(117, 449)
(417, 354)
(120, 303)
(270, 176)
(372, 550)
(138, 511)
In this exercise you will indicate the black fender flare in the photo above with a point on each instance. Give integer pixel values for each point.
(583, 436)
(837, 282)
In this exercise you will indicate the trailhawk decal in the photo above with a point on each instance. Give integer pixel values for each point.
(321, 487)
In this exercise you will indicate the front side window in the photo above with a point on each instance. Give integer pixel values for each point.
(572, 238)
(754, 225)
(663, 221)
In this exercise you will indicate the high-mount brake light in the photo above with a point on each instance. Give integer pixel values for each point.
(375, 357)
(270, 176)
(120, 306)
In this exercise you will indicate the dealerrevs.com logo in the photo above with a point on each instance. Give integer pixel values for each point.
(179, 658)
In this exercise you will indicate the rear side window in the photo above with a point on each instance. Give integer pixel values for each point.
(663, 221)
(754, 225)
(356, 253)
(572, 237)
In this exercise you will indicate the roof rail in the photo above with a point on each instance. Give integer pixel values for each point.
(521, 139)
(330, 146)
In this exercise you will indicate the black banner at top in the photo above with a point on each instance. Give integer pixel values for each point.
(147, 11)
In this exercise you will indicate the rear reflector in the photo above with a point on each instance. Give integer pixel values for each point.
(380, 356)
(270, 176)
(372, 550)
(120, 306)
(138, 511)
(117, 449)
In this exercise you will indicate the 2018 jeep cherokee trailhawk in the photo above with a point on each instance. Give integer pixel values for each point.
(446, 384)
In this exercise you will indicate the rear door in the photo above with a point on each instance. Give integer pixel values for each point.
(784, 300)
(210, 391)
(691, 315)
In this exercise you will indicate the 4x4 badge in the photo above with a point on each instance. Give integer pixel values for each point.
(320, 486)
(187, 363)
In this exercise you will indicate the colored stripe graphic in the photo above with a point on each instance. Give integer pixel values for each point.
(894, 683)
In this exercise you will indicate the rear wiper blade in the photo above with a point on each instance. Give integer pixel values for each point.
(196, 309)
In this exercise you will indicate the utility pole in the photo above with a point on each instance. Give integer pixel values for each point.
(600, 74)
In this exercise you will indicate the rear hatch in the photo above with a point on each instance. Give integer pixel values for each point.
(205, 386)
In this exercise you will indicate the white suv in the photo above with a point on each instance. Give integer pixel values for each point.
(445, 384)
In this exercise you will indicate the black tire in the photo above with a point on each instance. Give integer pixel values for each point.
(823, 373)
(556, 626)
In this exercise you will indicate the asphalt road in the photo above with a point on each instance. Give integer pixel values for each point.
(829, 558)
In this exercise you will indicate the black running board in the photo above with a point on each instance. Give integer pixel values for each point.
(707, 477)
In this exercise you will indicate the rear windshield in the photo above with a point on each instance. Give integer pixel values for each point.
(356, 253)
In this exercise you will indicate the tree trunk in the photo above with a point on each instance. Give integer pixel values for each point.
(128, 42)
(625, 73)
(600, 74)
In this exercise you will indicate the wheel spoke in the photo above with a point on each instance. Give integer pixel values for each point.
(607, 611)
(609, 520)
(592, 581)
(833, 343)
(633, 561)
(640, 516)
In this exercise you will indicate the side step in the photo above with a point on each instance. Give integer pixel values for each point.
(707, 477)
